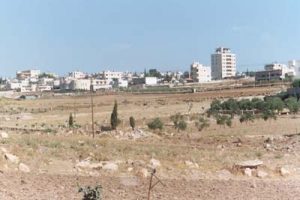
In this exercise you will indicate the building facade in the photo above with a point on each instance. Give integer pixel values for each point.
(200, 73)
(223, 64)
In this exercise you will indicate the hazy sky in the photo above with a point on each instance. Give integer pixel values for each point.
(93, 35)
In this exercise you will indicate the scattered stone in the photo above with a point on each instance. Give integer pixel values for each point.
(284, 172)
(155, 163)
(130, 169)
(248, 172)
(4, 135)
(86, 164)
(262, 174)
(110, 166)
(81, 143)
(4, 150)
(250, 164)
(24, 168)
(12, 158)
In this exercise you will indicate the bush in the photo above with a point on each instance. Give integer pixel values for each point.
(178, 121)
(132, 122)
(224, 120)
(90, 193)
(156, 124)
(202, 123)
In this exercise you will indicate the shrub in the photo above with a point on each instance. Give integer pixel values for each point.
(202, 123)
(178, 121)
(156, 124)
(132, 122)
(224, 120)
(268, 114)
(114, 120)
(90, 193)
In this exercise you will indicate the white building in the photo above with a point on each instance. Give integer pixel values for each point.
(200, 73)
(286, 70)
(151, 81)
(77, 75)
(28, 74)
(111, 75)
(295, 64)
(223, 64)
(80, 84)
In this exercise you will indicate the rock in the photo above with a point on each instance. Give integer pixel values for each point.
(248, 172)
(191, 164)
(284, 172)
(155, 163)
(4, 135)
(250, 164)
(143, 172)
(110, 166)
(24, 168)
(261, 174)
(130, 169)
(12, 158)
(81, 143)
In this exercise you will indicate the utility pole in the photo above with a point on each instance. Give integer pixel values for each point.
(92, 107)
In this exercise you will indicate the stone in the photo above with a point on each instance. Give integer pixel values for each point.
(24, 168)
(262, 174)
(12, 158)
(4, 135)
(248, 172)
(110, 166)
(250, 164)
(86, 164)
(191, 164)
(284, 172)
(4, 150)
(155, 163)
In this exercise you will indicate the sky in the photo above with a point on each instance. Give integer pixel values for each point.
(133, 35)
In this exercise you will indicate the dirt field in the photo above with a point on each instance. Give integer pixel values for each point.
(191, 164)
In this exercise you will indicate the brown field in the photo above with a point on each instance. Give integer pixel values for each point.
(193, 164)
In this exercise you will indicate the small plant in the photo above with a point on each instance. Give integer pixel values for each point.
(71, 120)
(90, 193)
(156, 124)
(132, 122)
(202, 123)
(178, 121)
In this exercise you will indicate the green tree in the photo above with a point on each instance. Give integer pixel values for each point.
(246, 117)
(132, 122)
(156, 124)
(296, 83)
(71, 120)
(292, 104)
(114, 120)
(275, 104)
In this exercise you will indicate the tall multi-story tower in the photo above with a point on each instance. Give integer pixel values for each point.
(223, 64)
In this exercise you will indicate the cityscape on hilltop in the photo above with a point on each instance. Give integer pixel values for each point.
(223, 67)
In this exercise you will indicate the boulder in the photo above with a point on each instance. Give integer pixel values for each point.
(24, 168)
(4, 135)
(143, 172)
(12, 158)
